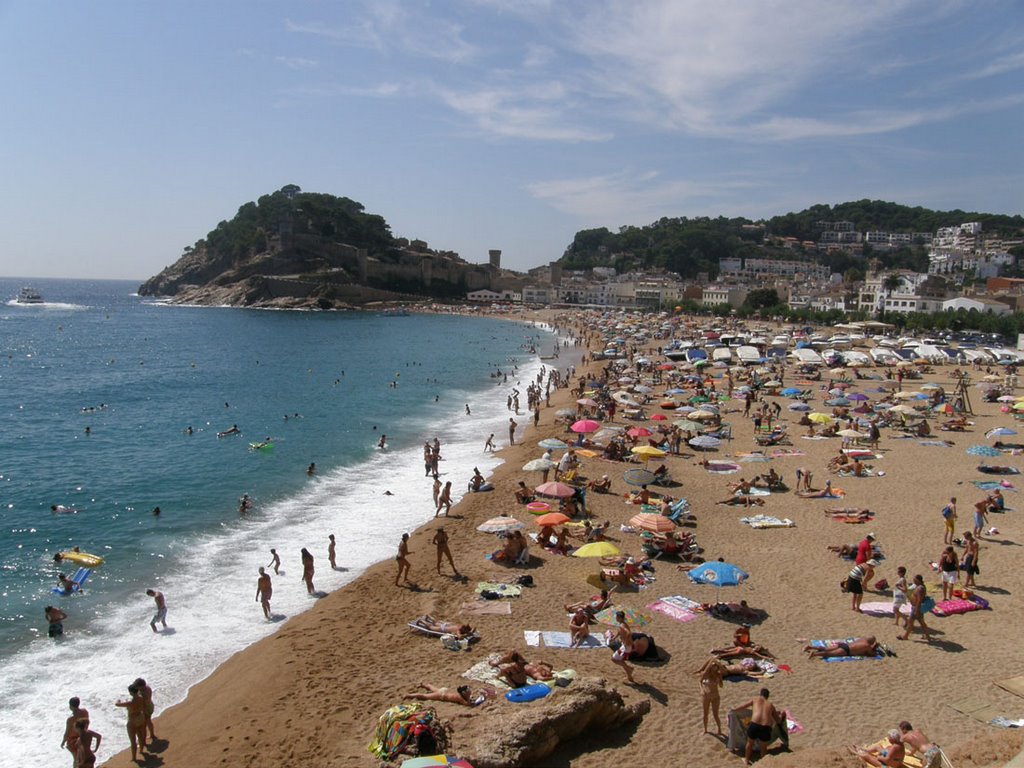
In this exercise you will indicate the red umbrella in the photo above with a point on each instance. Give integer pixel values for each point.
(586, 425)
(668, 405)
(666, 367)
(557, 490)
(639, 432)
(659, 417)
(589, 402)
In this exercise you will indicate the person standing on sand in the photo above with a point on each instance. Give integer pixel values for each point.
(136, 720)
(918, 594)
(307, 569)
(445, 500)
(512, 431)
(625, 637)
(70, 740)
(264, 591)
(711, 679)
(899, 594)
(404, 566)
(764, 716)
(147, 704)
(161, 609)
(949, 569)
(275, 561)
(332, 552)
(440, 541)
(949, 516)
(970, 559)
(980, 517)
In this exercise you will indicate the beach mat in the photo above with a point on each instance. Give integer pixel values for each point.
(503, 590)
(673, 611)
(564, 640)
(882, 608)
(976, 709)
(1014, 685)
(487, 608)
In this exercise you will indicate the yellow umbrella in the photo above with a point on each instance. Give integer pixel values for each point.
(820, 418)
(597, 549)
(1018, 406)
(649, 451)
(586, 453)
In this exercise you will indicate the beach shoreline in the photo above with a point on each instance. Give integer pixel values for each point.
(336, 667)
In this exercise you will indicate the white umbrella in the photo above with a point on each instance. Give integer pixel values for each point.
(500, 524)
(849, 433)
(539, 465)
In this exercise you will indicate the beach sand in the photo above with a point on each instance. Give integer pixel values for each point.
(311, 693)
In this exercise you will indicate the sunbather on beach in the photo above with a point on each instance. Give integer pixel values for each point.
(445, 627)
(747, 667)
(850, 513)
(861, 646)
(594, 604)
(738, 610)
(890, 755)
(742, 499)
(579, 627)
(742, 651)
(461, 695)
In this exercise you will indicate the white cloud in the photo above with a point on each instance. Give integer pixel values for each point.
(295, 62)
(632, 197)
(999, 66)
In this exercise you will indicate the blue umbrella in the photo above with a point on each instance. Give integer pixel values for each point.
(983, 450)
(718, 574)
(841, 401)
(790, 391)
(799, 407)
(1000, 432)
(639, 477)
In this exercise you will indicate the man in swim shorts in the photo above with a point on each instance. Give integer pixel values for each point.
(78, 712)
(764, 716)
(161, 608)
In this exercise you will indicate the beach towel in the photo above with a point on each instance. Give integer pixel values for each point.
(564, 640)
(815, 437)
(673, 611)
(951, 607)
(782, 453)
(829, 643)
(992, 485)
(767, 521)
(883, 608)
(1014, 685)
(935, 443)
(498, 588)
(722, 468)
(395, 729)
(483, 672)
(487, 608)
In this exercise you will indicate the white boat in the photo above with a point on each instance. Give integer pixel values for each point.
(884, 356)
(983, 357)
(807, 356)
(721, 354)
(857, 359)
(748, 355)
(29, 296)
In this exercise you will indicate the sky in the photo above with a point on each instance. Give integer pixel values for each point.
(128, 130)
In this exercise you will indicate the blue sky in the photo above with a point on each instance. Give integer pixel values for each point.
(130, 129)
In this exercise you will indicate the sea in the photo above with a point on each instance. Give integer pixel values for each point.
(110, 406)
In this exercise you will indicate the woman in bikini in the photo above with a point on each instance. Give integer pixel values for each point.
(136, 720)
(711, 679)
(88, 743)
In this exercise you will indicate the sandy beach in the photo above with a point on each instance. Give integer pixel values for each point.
(311, 694)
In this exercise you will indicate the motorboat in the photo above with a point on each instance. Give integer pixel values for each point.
(748, 355)
(29, 296)
(721, 354)
(883, 356)
(807, 356)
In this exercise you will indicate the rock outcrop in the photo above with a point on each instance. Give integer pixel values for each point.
(524, 735)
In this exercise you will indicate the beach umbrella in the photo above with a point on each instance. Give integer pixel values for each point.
(555, 490)
(638, 477)
(798, 407)
(597, 549)
(1019, 407)
(634, 617)
(857, 397)
(931, 386)
(773, 383)
(788, 391)
(565, 413)
(849, 433)
(943, 408)
(539, 465)
(648, 451)
(1000, 432)
(666, 367)
(433, 760)
(552, 444)
(589, 402)
(552, 518)
(983, 450)
(586, 453)
(1006, 398)
(659, 417)
(704, 442)
(639, 432)
(907, 409)
(718, 574)
(703, 413)
(584, 426)
(688, 426)
(500, 524)
(820, 418)
(652, 521)
(668, 405)
(838, 401)
(675, 391)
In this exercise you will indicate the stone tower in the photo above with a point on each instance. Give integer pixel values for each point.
(495, 259)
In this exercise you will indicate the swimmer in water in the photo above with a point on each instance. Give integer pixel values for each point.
(244, 504)
(383, 440)
(311, 469)
(233, 431)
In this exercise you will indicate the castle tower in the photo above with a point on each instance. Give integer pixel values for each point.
(495, 257)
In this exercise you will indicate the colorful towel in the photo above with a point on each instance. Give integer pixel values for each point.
(483, 672)
(673, 611)
(992, 485)
(681, 602)
(950, 607)
(781, 453)
(395, 728)
(829, 643)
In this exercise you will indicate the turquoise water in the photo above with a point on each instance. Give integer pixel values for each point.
(137, 374)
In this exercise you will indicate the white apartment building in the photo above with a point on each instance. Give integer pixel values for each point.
(732, 295)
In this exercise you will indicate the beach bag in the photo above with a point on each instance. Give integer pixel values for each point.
(525, 581)
(947, 512)
(844, 585)
(426, 742)
(488, 594)
(881, 585)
